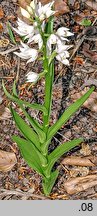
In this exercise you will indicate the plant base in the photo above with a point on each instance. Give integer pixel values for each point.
(49, 182)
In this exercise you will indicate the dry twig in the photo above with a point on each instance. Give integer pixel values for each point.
(9, 50)
(4, 192)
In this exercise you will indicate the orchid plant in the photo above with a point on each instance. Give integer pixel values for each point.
(37, 137)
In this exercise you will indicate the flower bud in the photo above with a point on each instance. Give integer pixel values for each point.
(25, 13)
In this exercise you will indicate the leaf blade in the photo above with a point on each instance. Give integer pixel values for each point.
(21, 102)
(25, 129)
(49, 183)
(29, 154)
(33, 122)
(59, 151)
(11, 35)
(68, 113)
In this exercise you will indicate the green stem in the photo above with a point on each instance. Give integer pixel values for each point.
(48, 79)
(48, 96)
(48, 86)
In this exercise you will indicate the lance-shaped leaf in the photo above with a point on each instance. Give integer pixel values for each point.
(49, 183)
(29, 154)
(34, 123)
(68, 113)
(12, 38)
(21, 105)
(59, 151)
(14, 89)
(25, 129)
(22, 102)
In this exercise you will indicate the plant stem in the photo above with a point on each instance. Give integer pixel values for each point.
(48, 79)
(48, 96)
(49, 76)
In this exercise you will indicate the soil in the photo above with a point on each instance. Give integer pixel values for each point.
(67, 81)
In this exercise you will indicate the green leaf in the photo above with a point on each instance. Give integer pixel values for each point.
(49, 183)
(53, 55)
(34, 123)
(21, 102)
(29, 153)
(68, 113)
(49, 26)
(59, 151)
(14, 90)
(25, 129)
(10, 32)
(86, 22)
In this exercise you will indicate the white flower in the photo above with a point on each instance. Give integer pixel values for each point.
(38, 10)
(45, 11)
(59, 39)
(63, 32)
(24, 29)
(33, 4)
(51, 40)
(30, 32)
(61, 47)
(42, 12)
(54, 39)
(29, 9)
(25, 13)
(32, 77)
(27, 53)
(37, 39)
(62, 57)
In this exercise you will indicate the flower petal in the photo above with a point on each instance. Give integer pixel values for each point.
(32, 77)
(25, 13)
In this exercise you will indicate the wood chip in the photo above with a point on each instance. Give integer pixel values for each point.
(76, 185)
(79, 161)
(79, 171)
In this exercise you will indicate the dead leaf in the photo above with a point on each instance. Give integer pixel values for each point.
(85, 150)
(80, 161)
(76, 185)
(7, 161)
(92, 55)
(78, 60)
(91, 103)
(1, 27)
(91, 4)
(89, 82)
(1, 13)
(4, 112)
(4, 43)
(61, 6)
